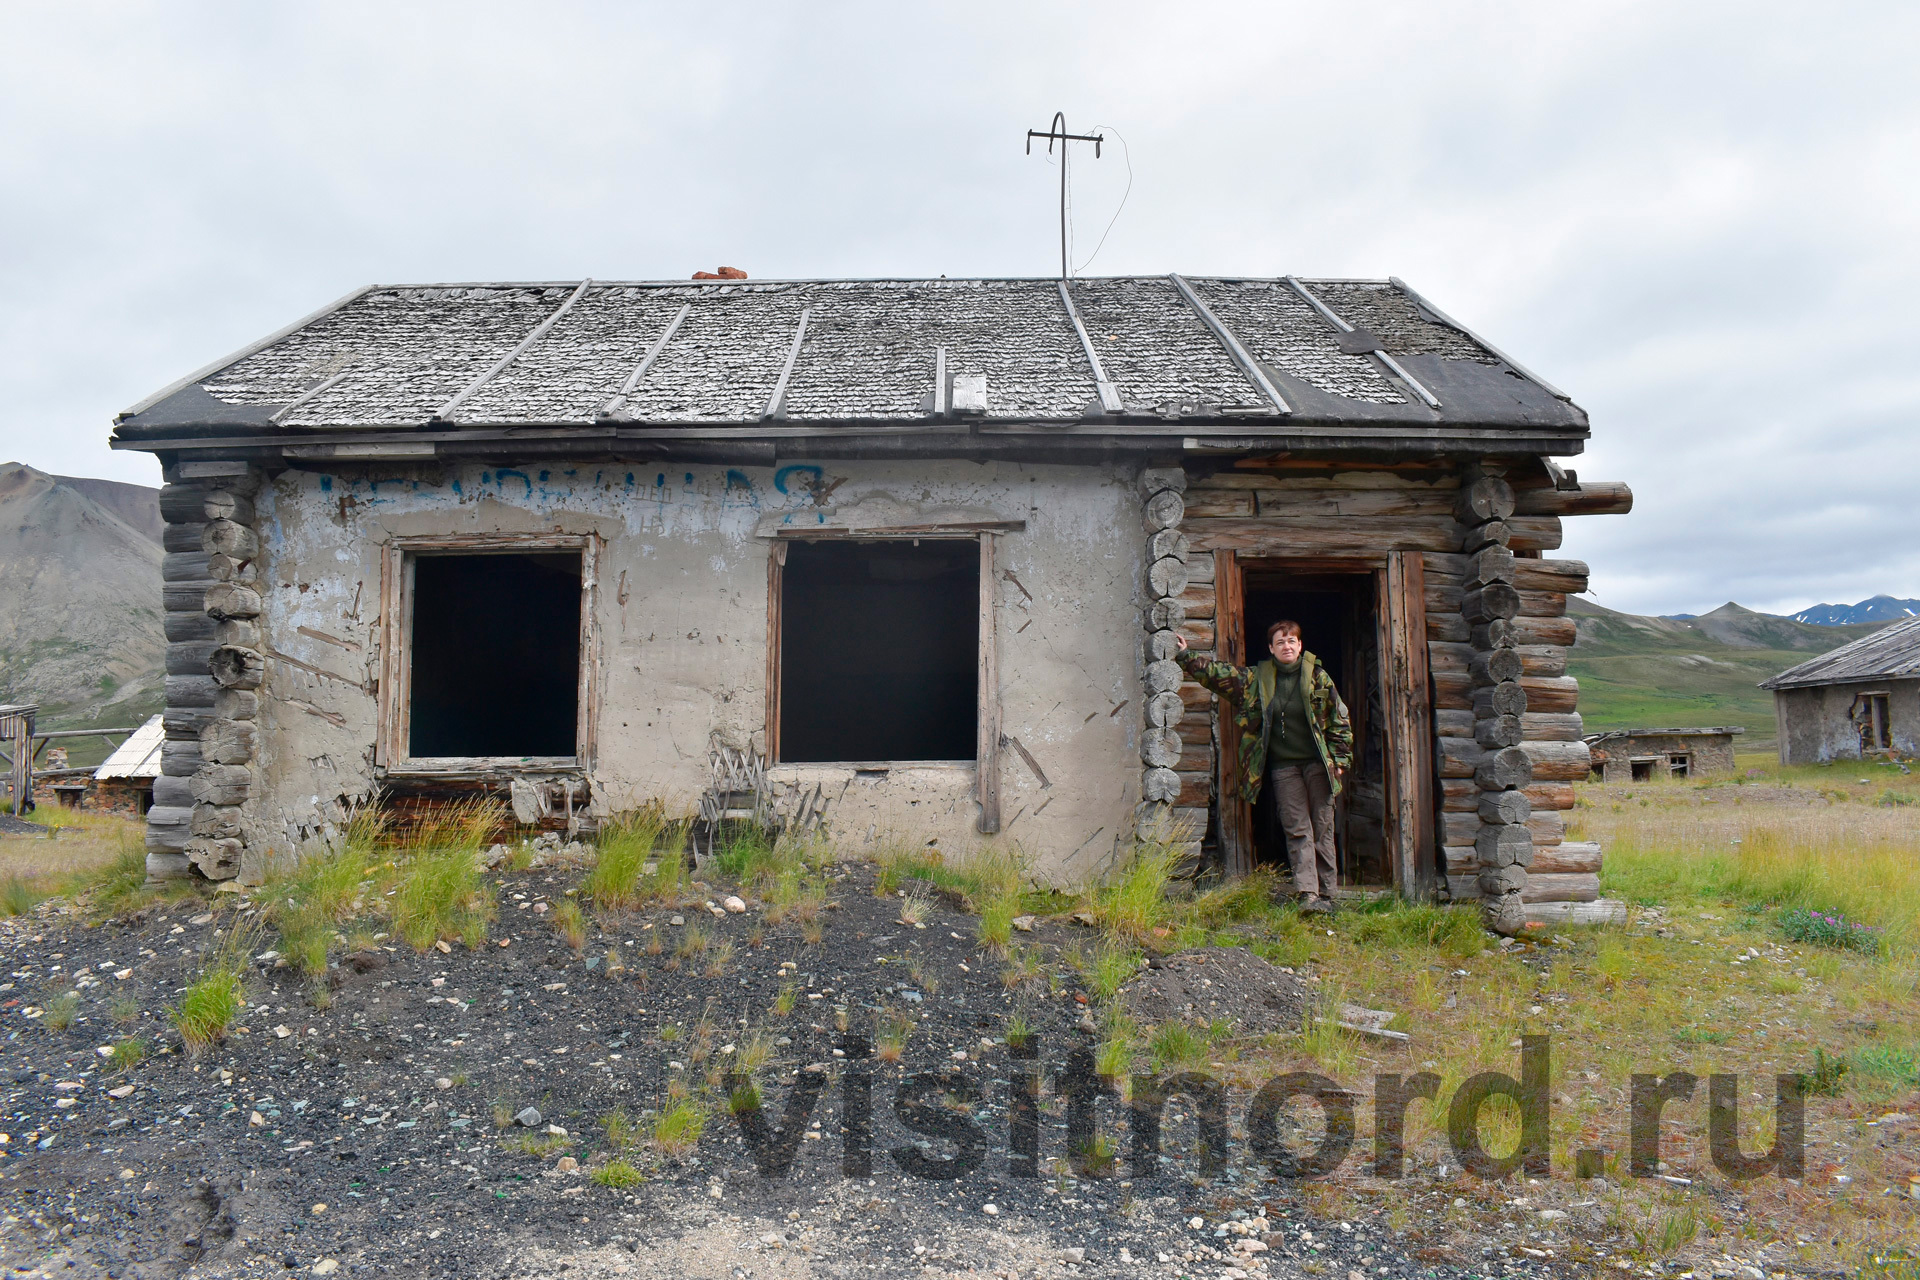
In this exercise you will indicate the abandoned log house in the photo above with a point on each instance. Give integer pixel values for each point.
(1857, 702)
(906, 558)
(1648, 755)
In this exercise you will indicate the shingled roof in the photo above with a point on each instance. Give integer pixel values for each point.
(1891, 653)
(1127, 355)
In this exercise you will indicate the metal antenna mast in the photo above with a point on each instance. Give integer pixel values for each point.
(1057, 132)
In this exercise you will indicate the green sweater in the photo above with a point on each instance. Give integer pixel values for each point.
(1290, 733)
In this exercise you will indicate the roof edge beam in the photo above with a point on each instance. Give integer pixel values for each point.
(445, 412)
(1109, 394)
(1449, 321)
(252, 348)
(1339, 322)
(619, 399)
(1241, 356)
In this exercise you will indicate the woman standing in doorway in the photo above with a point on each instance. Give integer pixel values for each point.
(1295, 733)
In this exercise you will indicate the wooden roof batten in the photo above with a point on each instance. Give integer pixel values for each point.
(445, 412)
(1240, 355)
(619, 399)
(1109, 394)
(777, 401)
(1378, 353)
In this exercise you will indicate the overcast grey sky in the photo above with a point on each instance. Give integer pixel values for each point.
(1700, 219)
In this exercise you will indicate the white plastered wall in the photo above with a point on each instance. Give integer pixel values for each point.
(682, 616)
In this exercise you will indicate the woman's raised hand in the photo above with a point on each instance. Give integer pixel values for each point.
(1181, 641)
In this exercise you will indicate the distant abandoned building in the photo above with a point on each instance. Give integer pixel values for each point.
(124, 781)
(1642, 755)
(917, 550)
(1862, 699)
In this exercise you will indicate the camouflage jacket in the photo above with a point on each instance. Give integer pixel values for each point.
(1251, 690)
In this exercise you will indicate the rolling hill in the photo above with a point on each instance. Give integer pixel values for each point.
(80, 617)
(1643, 672)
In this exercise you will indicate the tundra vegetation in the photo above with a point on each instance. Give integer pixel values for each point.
(1772, 928)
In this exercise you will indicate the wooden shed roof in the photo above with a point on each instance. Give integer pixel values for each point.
(1150, 355)
(1891, 653)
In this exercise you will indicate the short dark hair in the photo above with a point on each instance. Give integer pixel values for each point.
(1287, 625)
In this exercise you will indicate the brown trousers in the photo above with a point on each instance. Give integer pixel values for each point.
(1304, 800)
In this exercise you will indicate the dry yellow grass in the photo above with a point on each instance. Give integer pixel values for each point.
(86, 842)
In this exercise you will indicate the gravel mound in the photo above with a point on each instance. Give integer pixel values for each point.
(1228, 983)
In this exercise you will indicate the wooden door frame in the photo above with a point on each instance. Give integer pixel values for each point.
(1397, 580)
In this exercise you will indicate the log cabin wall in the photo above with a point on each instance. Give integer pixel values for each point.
(1320, 514)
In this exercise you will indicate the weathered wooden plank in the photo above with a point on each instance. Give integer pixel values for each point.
(1198, 632)
(1339, 476)
(1534, 533)
(1453, 691)
(1593, 498)
(1234, 818)
(184, 566)
(182, 537)
(1540, 888)
(987, 750)
(1599, 911)
(1299, 504)
(1539, 726)
(1548, 828)
(1550, 795)
(1450, 722)
(1447, 628)
(1459, 795)
(184, 503)
(1407, 808)
(1195, 788)
(1213, 504)
(1198, 599)
(1196, 732)
(1550, 693)
(1459, 757)
(1195, 697)
(1331, 535)
(1558, 761)
(1569, 857)
(1459, 828)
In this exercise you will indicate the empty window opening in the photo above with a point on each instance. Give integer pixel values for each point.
(1679, 764)
(495, 655)
(1870, 717)
(1642, 769)
(879, 650)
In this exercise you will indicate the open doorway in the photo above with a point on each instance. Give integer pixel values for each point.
(1338, 617)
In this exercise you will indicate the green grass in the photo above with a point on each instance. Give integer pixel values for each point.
(1454, 932)
(127, 1054)
(1174, 1044)
(61, 1011)
(442, 893)
(570, 923)
(677, 1130)
(616, 1174)
(211, 1002)
(1112, 965)
(1132, 902)
(627, 843)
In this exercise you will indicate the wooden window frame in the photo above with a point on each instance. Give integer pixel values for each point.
(987, 743)
(397, 559)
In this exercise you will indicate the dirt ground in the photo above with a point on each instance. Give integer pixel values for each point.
(372, 1137)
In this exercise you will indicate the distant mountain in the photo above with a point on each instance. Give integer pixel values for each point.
(1641, 672)
(80, 614)
(1877, 609)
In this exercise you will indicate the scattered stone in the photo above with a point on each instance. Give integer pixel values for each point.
(1025, 923)
(205, 917)
(1083, 917)
(528, 1118)
(325, 1267)
(282, 1032)
(1075, 1254)
(735, 905)
(121, 1091)
(676, 920)
(553, 1130)
(991, 1210)
(566, 1164)
(444, 947)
